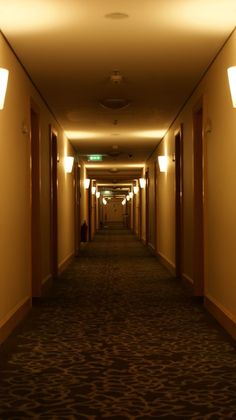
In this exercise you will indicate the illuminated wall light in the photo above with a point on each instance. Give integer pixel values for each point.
(3, 85)
(86, 183)
(163, 163)
(127, 197)
(232, 83)
(123, 202)
(93, 190)
(142, 182)
(104, 201)
(69, 161)
(136, 190)
(98, 194)
(131, 194)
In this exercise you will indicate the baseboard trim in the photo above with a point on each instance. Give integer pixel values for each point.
(151, 248)
(64, 264)
(167, 263)
(14, 317)
(188, 282)
(225, 319)
(46, 285)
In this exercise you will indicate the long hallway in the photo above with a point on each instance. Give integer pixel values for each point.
(118, 338)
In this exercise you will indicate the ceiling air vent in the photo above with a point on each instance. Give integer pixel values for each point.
(114, 104)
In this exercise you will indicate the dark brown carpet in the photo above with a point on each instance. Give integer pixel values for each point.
(118, 338)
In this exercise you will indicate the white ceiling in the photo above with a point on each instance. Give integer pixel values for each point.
(161, 48)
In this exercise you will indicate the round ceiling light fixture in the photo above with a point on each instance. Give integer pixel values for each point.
(114, 103)
(116, 15)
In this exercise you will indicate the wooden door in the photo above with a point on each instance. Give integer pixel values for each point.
(198, 202)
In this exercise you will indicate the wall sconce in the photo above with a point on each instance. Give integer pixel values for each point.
(104, 201)
(232, 83)
(136, 190)
(123, 202)
(142, 182)
(163, 163)
(93, 190)
(127, 197)
(98, 194)
(69, 161)
(3, 85)
(131, 194)
(86, 183)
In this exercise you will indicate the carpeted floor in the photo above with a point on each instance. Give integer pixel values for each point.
(118, 338)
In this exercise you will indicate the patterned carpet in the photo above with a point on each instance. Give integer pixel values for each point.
(118, 338)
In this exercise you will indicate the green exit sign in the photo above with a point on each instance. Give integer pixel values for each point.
(95, 158)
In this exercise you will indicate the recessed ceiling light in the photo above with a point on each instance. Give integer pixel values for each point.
(114, 170)
(116, 15)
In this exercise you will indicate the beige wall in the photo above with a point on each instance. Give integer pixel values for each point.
(136, 211)
(84, 194)
(66, 208)
(166, 203)
(142, 192)
(220, 192)
(15, 190)
(151, 232)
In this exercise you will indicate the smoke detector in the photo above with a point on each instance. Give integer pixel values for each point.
(116, 77)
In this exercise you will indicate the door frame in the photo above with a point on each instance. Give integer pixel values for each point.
(155, 206)
(179, 202)
(147, 221)
(77, 208)
(53, 201)
(140, 212)
(35, 198)
(89, 201)
(198, 183)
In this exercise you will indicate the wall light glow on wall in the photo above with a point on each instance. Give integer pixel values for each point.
(131, 194)
(232, 83)
(98, 194)
(136, 190)
(69, 161)
(163, 163)
(3, 85)
(86, 183)
(93, 190)
(142, 182)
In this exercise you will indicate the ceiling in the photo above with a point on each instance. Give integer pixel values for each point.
(147, 55)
